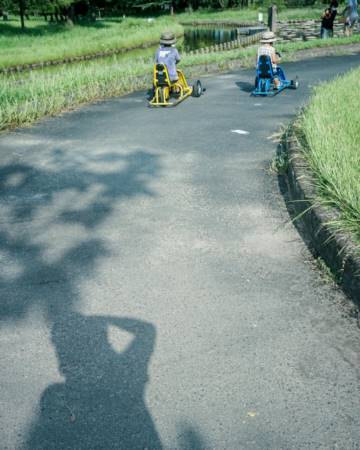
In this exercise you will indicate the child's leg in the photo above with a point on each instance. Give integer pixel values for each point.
(346, 28)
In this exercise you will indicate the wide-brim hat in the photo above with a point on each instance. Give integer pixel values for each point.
(167, 38)
(268, 37)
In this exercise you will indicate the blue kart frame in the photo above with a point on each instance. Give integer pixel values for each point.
(265, 75)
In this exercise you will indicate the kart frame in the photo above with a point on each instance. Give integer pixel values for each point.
(171, 93)
(265, 76)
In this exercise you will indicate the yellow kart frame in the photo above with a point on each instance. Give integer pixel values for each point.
(171, 93)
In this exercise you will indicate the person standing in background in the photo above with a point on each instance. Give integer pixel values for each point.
(327, 24)
(351, 17)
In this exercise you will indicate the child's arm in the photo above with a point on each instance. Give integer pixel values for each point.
(177, 56)
(275, 58)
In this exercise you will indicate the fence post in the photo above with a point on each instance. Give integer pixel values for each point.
(272, 18)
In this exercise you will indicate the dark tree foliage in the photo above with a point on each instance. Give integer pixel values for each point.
(69, 10)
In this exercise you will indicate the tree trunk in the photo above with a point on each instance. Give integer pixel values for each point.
(22, 13)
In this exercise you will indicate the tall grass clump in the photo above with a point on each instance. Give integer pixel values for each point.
(27, 97)
(331, 135)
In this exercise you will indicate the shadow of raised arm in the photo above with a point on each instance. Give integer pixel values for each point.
(144, 335)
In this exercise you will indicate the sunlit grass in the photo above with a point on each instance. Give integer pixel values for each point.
(330, 127)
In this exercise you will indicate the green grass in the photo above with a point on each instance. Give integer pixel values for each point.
(331, 136)
(246, 15)
(26, 98)
(45, 42)
(289, 48)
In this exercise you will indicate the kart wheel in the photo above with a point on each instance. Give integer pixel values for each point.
(256, 82)
(151, 94)
(197, 89)
(294, 84)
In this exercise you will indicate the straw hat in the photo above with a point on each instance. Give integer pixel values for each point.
(268, 37)
(167, 38)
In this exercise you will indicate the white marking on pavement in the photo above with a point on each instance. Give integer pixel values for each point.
(240, 131)
(257, 104)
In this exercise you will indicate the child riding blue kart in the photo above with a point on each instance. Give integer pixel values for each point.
(270, 78)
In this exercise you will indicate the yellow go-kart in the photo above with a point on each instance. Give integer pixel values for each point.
(171, 93)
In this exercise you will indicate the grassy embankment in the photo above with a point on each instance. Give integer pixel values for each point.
(330, 135)
(43, 42)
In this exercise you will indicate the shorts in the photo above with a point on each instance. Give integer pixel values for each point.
(326, 33)
(350, 22)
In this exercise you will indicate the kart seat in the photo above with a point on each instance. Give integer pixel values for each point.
(162, 75)
(265, 68)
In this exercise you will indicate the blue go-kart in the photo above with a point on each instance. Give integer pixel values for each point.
(265, 75)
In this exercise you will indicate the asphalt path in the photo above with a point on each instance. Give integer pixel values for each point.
(153, 292)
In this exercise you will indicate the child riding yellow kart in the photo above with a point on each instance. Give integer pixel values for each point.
(170, 93)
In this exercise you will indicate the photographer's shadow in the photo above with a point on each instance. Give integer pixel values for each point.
(101, 403)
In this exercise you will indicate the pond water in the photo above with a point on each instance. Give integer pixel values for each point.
(198, 37)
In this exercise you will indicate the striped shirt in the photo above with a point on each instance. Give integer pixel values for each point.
(267, 50)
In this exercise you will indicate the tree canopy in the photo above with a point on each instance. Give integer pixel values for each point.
(52, 6)
(68, 9)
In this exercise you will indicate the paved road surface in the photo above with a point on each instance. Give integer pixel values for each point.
(153, 294)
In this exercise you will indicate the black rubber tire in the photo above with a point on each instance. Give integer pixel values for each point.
(197, 89)
(256, 82)
(151, 94)
(294, 84)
